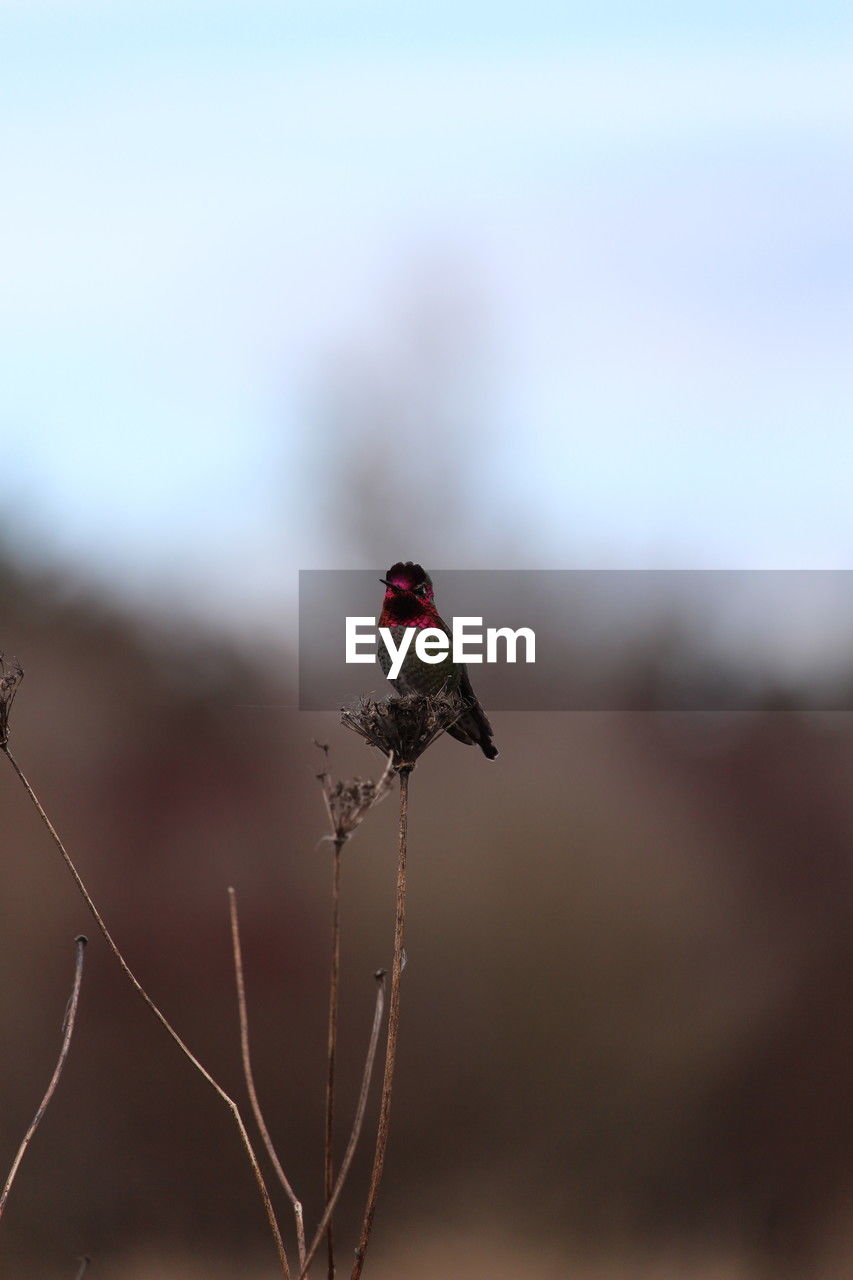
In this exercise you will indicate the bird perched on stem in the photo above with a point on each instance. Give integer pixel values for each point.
(410, 602)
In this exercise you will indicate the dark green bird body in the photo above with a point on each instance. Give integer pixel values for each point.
(423, 677)
(409, 603)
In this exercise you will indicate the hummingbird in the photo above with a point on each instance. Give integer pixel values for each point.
(410, 602)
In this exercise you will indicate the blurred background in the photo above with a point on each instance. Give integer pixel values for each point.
(324, 286)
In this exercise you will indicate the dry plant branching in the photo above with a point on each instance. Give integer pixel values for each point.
(405, 726)
(347, 805)
(248, 1074)
(357, 1122)
(67, 1031)
(391, 1041)
(7, 693)
(11, 675)
(349, 801)
(402, 728)
(305, 1260)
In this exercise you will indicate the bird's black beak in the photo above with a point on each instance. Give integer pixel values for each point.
(393, 586)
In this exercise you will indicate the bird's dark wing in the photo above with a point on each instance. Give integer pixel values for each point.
(473, 727)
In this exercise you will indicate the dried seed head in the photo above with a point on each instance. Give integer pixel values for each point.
(403, 727)
(348, 801)
(11, 675)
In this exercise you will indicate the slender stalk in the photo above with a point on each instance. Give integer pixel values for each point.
(391, 1043)
(161, 1018)
(332, 1042)
(84, 1267)
(250, 1079)
(67, 1028)
(357, 1123)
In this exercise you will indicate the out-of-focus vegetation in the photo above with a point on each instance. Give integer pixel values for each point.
(626, 1034)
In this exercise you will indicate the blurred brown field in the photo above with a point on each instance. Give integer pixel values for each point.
(626, 1034)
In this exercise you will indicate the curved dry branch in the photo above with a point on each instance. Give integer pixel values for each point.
(67, 1031)
(161, 1017)
(358, 1121)
(250, 1079)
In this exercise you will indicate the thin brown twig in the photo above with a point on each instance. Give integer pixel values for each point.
(250, 1079)
(332, 1043)
(67, 1030)
(358, 1121)
(161, 1017)
(347, 805)
(84, 1266)
(391, 1043)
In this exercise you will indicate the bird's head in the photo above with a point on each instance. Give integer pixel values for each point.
(409, 596)
(409, 579)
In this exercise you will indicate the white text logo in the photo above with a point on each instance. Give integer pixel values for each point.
(433, 645)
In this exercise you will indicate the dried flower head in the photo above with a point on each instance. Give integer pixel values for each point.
(348, 801)
(403, 727)
(11, 675)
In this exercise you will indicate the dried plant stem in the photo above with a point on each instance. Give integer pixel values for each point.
(250, 1079)
(68, 1028)
(84, 1267)
(357, 1123)
(391, 1043)
(334, 979)
(161, 1018)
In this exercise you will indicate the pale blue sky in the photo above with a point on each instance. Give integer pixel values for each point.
(204, 204)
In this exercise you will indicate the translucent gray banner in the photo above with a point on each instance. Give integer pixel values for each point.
(605, 640)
